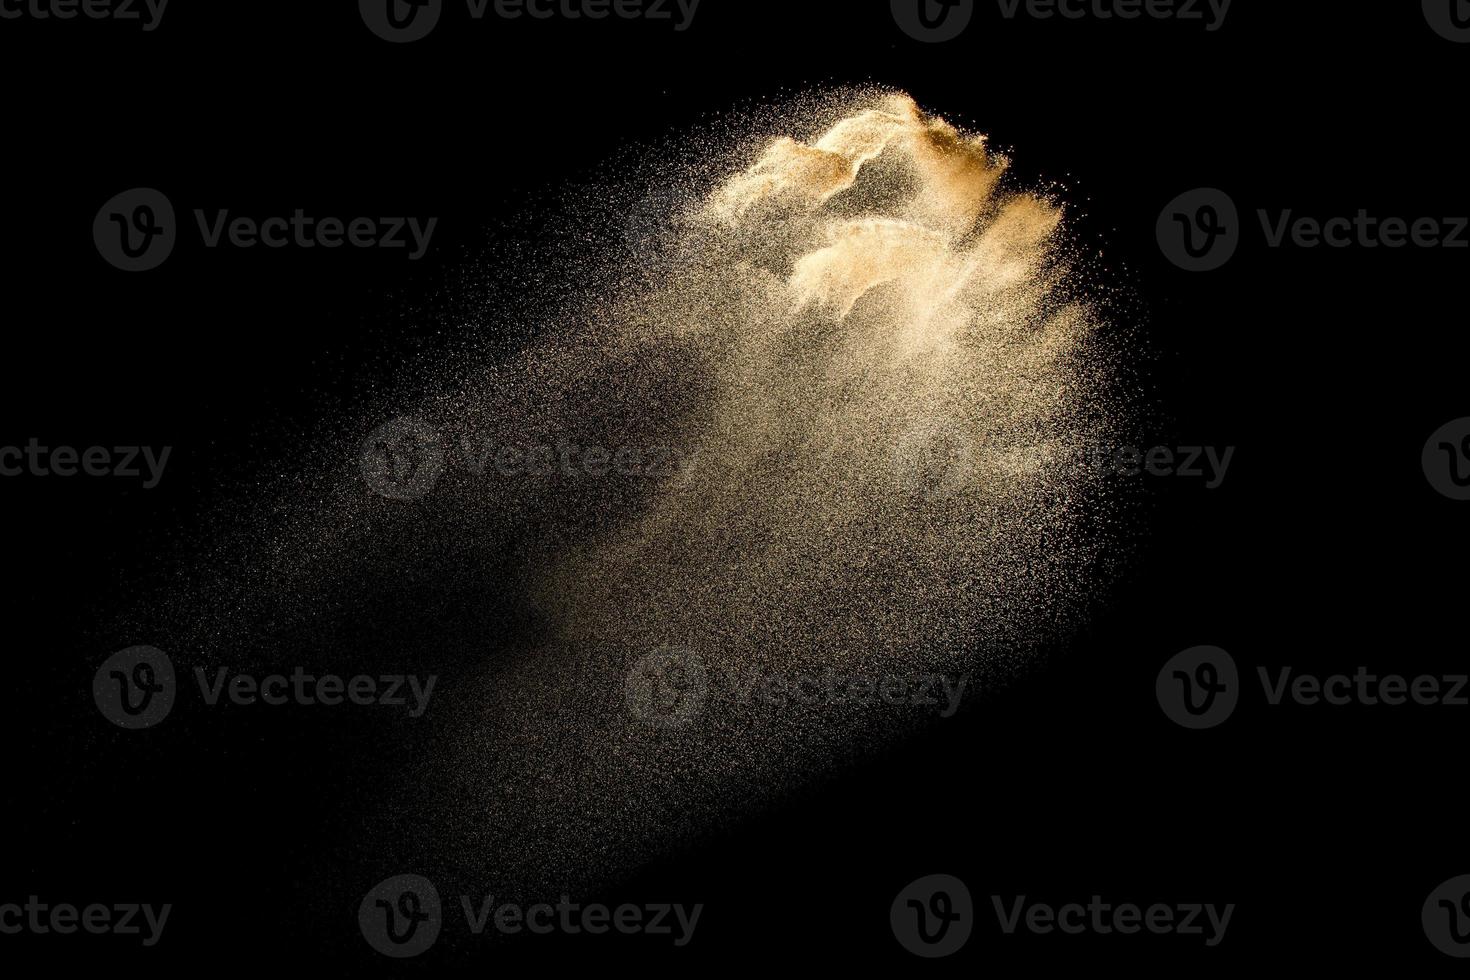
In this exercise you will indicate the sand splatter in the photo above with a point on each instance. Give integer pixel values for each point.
(877, 366)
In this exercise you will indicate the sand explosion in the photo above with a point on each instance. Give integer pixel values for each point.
(874, 369)
(881, 371)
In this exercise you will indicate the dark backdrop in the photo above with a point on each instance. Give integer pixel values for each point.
(1325, 549)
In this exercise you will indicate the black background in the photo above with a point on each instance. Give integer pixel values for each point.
(1324, 549)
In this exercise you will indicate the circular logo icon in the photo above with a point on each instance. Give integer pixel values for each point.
(1449, 18)
(935, 461)
(1446, 917)
(1199, 688)
(403, 459)
(933, 916)
(401, 21)
(933, 21)
(402, 916)
(1446, 459)
(1199, 230)
(667, 688)
(134, 688)
(136, 231)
